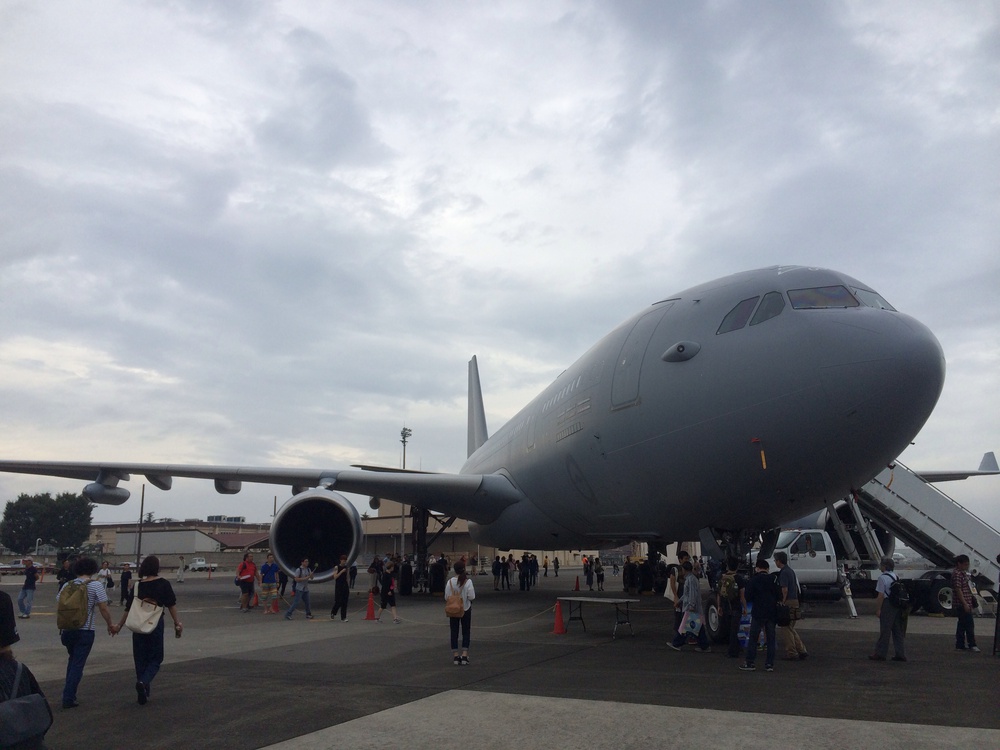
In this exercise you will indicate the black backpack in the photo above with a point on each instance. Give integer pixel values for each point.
(899, 596)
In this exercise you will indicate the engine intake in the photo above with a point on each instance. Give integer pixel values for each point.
(317, 524)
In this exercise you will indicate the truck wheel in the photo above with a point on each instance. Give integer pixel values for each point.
(942, 597)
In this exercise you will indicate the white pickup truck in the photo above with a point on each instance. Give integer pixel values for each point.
(198, 563)
(813, 557)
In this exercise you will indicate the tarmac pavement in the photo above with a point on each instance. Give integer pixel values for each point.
(257, 681)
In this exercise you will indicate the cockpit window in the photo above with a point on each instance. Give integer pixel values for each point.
(872, 299)
(820, 297)
(738, 316)
(771, 306)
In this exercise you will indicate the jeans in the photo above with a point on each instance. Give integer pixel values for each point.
(965, 629)
(466, 622)
(78, 644)
(755, 628)
(147, 653)
(300, 596)
(24, 601)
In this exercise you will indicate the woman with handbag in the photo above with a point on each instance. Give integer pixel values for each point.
(147, 647)
(461, 587)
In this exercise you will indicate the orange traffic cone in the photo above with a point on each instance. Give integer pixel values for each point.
(370, 615)
(577, 587)
(256, 601)
(560, 628)
(274, 606)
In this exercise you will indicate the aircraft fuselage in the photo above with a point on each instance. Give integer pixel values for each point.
(737, 404)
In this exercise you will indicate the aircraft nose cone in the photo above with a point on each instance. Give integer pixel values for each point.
(887, 381)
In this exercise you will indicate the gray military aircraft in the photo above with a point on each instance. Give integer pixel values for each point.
(719, 412)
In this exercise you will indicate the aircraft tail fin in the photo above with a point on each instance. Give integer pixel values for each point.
(477, 413)
(989, 462)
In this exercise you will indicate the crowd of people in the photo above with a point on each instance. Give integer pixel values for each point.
(770, 600)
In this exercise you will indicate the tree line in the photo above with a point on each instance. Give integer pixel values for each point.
(63, 521)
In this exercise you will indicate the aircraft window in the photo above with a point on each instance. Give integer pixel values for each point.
(872, 299)
(820, 297)
(772, 305)
(738, 316)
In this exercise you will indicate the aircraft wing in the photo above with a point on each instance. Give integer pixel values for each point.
(476, 497)
(987, 467)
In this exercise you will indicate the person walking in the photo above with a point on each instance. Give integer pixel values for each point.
(731, 601)
(147, 648)
(246, 575)
(341, 589)
(269, 584)
(690, 603)
(104, 576)
(599, 573)
(461, 584)
(303, 574)
(965, 627)
(890, 617)
(180, 569)
(555, 566)
(79, 641)
(496, 570)
(388, 593)
(762, 593)
(125, 583)
(795, 649)
(27, 596)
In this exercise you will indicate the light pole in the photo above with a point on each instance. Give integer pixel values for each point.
(37, 542)
(404, 435)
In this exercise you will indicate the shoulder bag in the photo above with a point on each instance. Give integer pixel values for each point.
(23, 717)
(143, 616)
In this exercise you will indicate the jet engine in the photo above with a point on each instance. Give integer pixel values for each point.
(317, 524)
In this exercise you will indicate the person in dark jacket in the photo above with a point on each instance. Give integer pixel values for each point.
(762, 593)
(387, 591)
(147, 648)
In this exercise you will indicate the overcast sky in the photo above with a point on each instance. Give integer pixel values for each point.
(274, 233)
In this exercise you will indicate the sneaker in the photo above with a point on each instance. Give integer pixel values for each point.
(378, 620)
(876, 657)
(974, 649)
(768, 668)
(803, 656)
(706, 650)
(140, 691)
(748, 668)
(333, 617)
(957, 648)
(288, 617)
(309, 617)
(458, 661)
(675, 648)
(465, 661)
(397, 621)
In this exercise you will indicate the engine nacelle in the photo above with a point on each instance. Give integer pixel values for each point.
(104, 495)
(320, 525)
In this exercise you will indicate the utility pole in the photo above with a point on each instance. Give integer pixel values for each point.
(405, 436)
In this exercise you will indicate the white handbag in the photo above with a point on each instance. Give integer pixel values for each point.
(143, 616)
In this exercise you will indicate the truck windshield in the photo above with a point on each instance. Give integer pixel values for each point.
(785, 538)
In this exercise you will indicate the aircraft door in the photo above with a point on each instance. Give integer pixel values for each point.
(625, 383)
